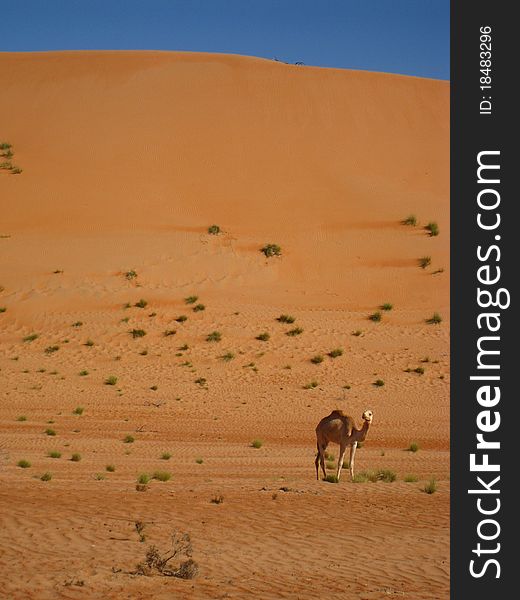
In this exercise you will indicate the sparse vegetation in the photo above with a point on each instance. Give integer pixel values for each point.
(227, 357)
(23, 464)
(110, 468)
(191, 299)
(430, 487)
(413, 447)
(169, 332)
(128, 439)
(331, 479)
(77, 324)
(411, 478)
(162, 475)
(46, 476)
(181, 550)
(419, 370)
(263, 337)
(181, 319)
(89, 343)
(217, 499)
(379, 383)
(410, 220)
(99, 476)
(130, 275)
(137, 333)
(51, 349)
(375, 317)
(214, 230)
(385, 475)
(199, 460)
(425, 261)
(257, 443)
(31, 337)
(286, 319)
(154, 388)
(54, 454)
(271, 250)
(336, 352)
(76, 457)
(141, 303)
(21, 418)
(110, 380)
(214, 336)
(83, 373)
(166, 456)
(357, 333)
(295, 331)
(435, 319)
(432, 228)
(199, 308)
(311, 385)
(50, 432)
(3, 309)
(316, 360)
(387, 306)
(143, 479)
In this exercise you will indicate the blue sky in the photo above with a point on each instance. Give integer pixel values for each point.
(396, 36)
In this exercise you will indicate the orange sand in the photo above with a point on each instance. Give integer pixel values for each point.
(127, 158)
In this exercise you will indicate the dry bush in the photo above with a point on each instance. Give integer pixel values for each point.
(180, 553)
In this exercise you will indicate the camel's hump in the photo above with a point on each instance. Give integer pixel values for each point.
(338, 413)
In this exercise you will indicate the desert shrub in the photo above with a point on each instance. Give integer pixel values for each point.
(410, 220)
(131, 274)
(375, 317)
(425, 261)
(76, 457)
(199, 460)
(184, 347)
(228, 356)
(99, 476)
(77, 324)
(181, 548)
(50, 432)
(21, 418)
(271, 250)
(379, 383)
(143, 479)
(387, 306)
(110, 468)
(162, 475)
(419, 370)
(137, 333)
(331, 479)
(214, 336)
(316, 360)
(295, 331)
(430, 487)
(54, 454)
(217, 499)
(89, 343)
(110, 380)
(357, 333)
(51, 349)
(46, 476)
(3, 309)
(386, 475)
(413, 447)
(31, 337)
(411, 478)
(311, 385)
(336, 352)
(5, 146)
(128, 439)
(141, 303)
(181, 319)
(16, 170)
(154, 388)
(199, 308)
(432, 228)
(286, 319)
(435, 319)
(191, 299)
(257, 443)
(23, 464)
(263, 337)
(169, 332)
(330, 465)
(166, 456)
(214, 230)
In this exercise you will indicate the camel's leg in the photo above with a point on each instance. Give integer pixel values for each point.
(322, 459)
(342, 450)
(317, 462)
(352, 454)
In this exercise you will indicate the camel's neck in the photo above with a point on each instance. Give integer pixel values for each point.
(361, 434)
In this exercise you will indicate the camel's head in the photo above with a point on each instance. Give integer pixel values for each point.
(367, 416)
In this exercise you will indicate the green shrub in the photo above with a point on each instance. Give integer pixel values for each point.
(419, 370)
(379, 383)
(228, 356)
(89, 343)
(411, 478)
(162, 475)
(181, 319)
(141, 303)
(336, 352)
(50, 432)
(199, 461)
(376, 317)
(77, 324)
(83, 373)
(286, 319)
(131, 274)
(432, 228)
(23, 464)
(110, 380)
(3, 309)
(21, 418)
(54, 454)
(191, 299)
(413, 447)
(316, 360)
(110, 468)
(331, 479)
(410, 220)
(169, 332)
(430, 487)
(128, 439)
(257, 443)
(166, 456)
(311, 385)
(425, 261)
(51, 349)
(46, 476)
(387, 306)
(271, 250)
(76, 457)
(143, 479)
(214, 230)
(295, 331)
(137, 333)
(435, 319)
(263, 337)
(214, 336)
(16, 170)
(199, 308)
(31, 337)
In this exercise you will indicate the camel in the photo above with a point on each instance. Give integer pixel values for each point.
(340, 429)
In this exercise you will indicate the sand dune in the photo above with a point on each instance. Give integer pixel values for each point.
(127, 158)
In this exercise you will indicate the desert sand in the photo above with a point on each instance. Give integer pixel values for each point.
(127, 158)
